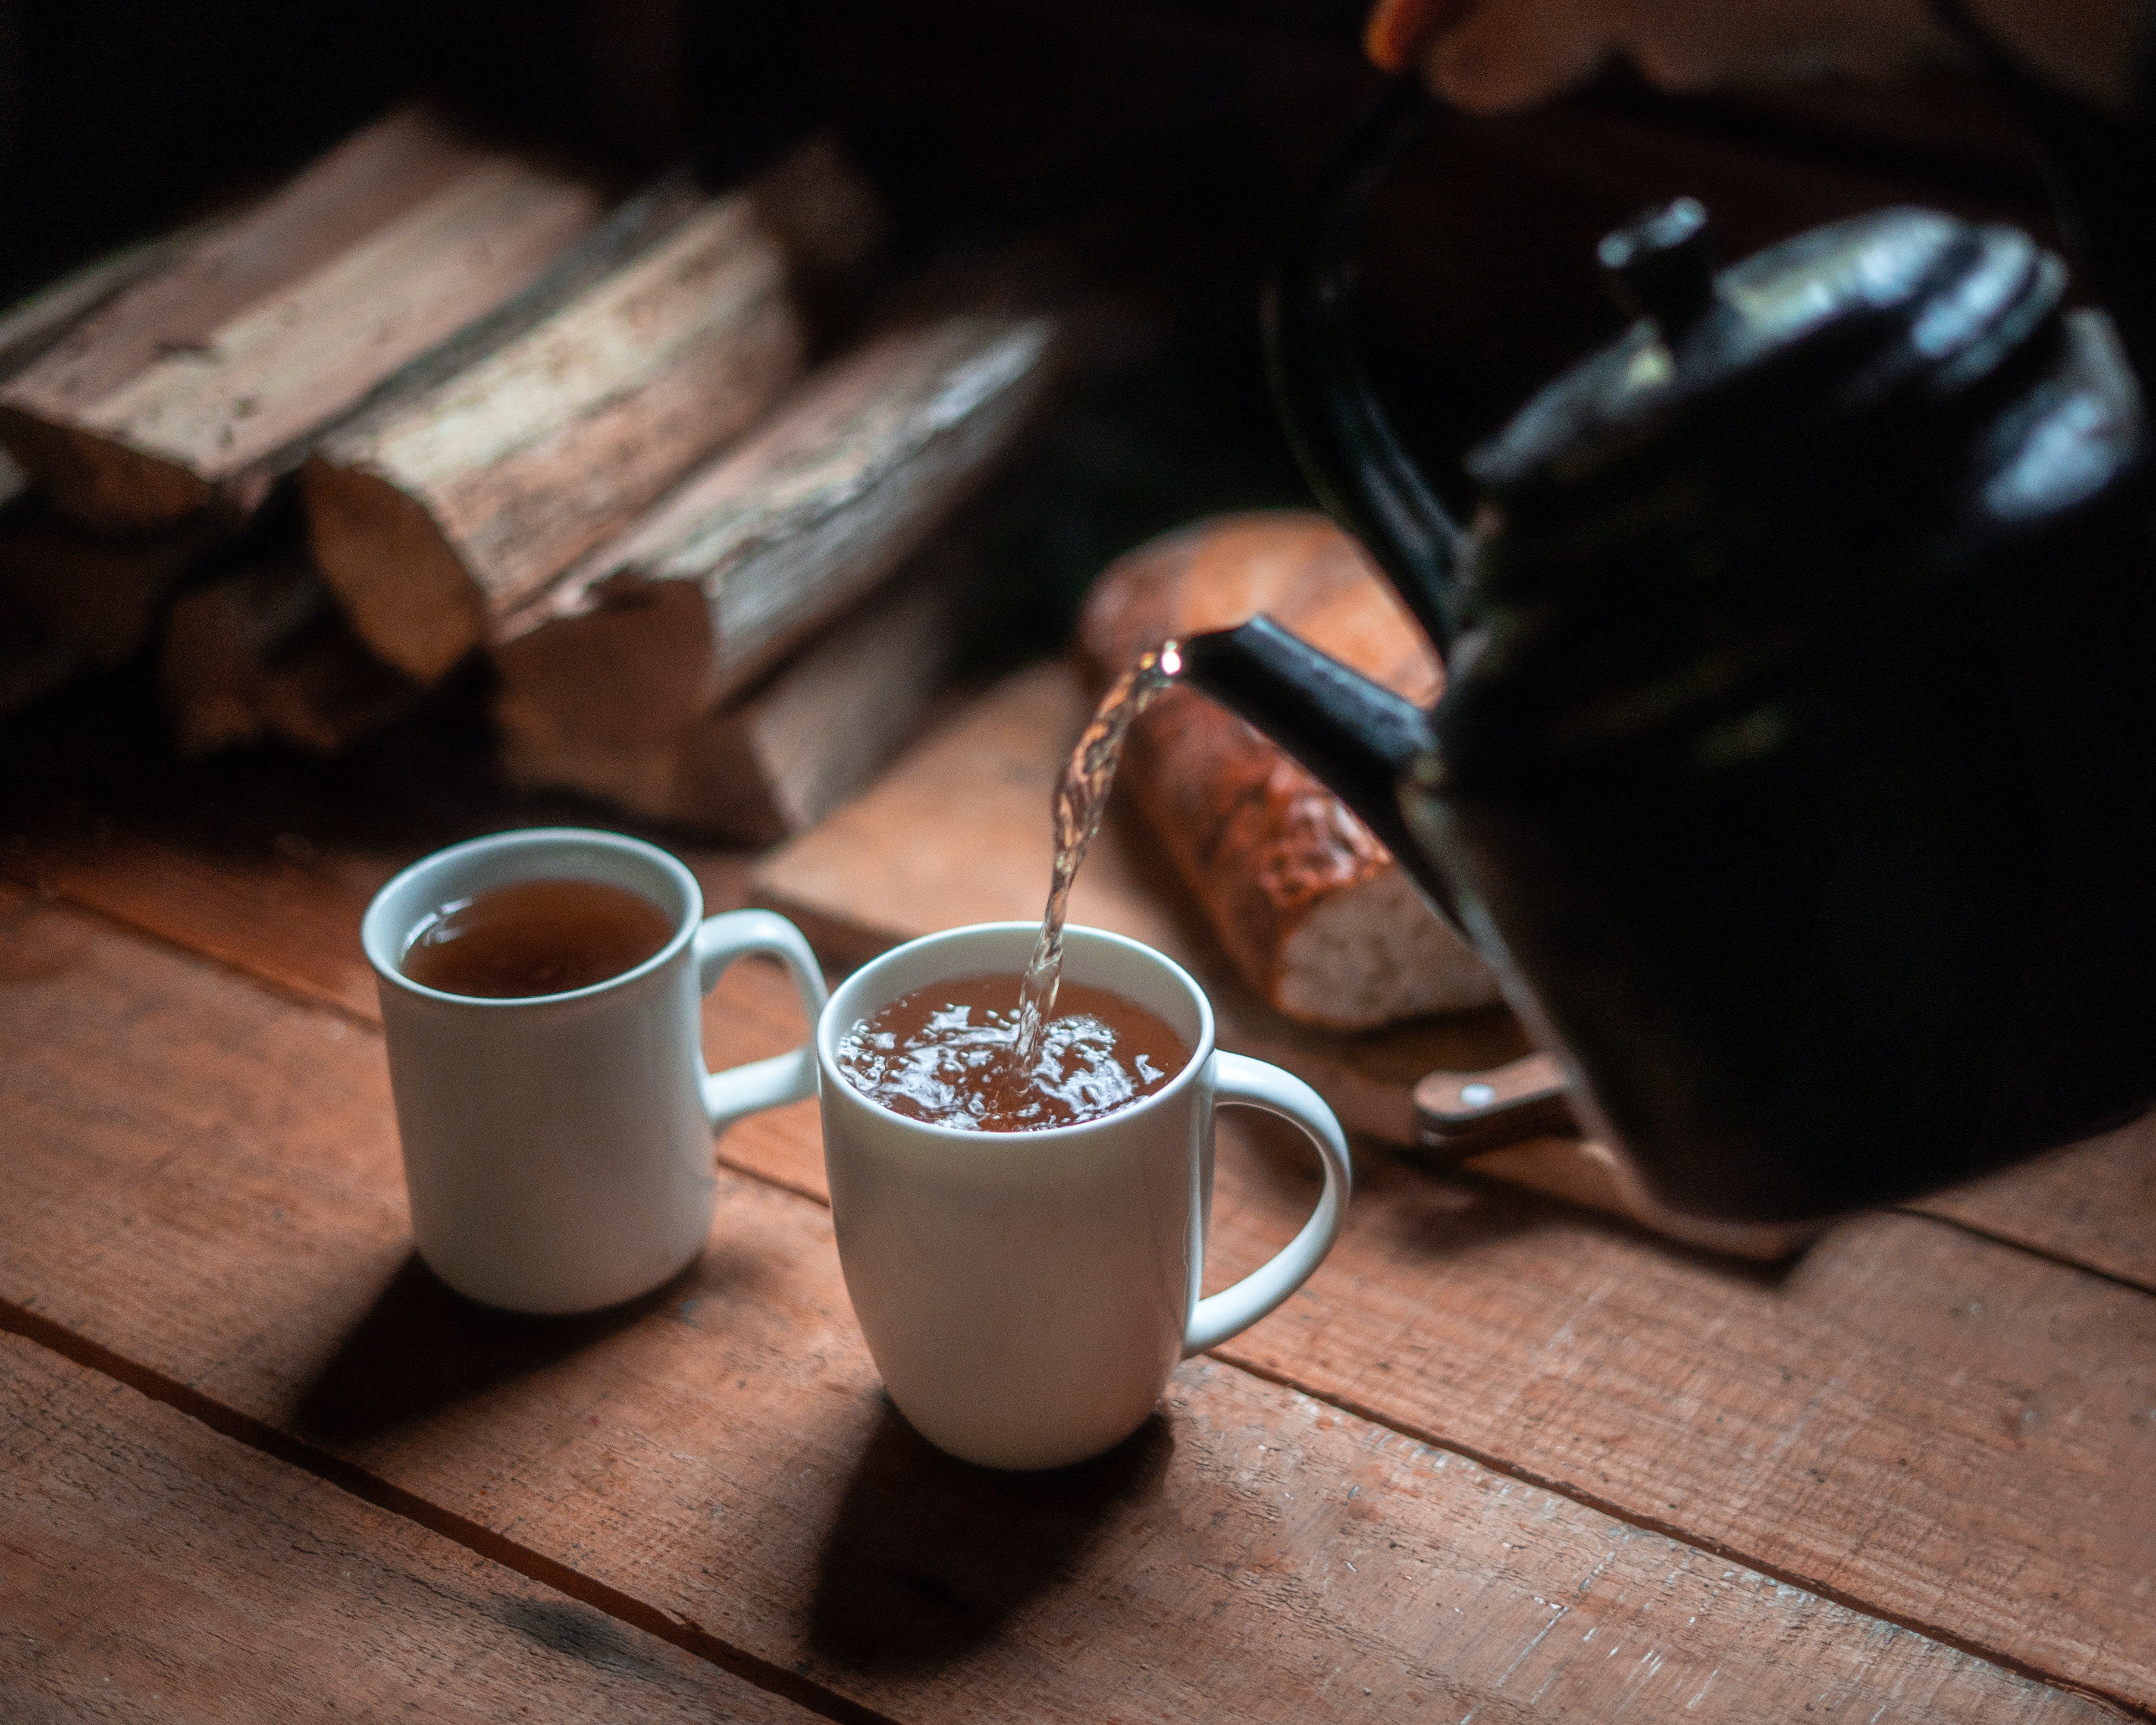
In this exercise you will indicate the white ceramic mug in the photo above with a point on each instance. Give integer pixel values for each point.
(557, 1148)
(1025, 1294)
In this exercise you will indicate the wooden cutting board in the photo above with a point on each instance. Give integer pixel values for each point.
(956, 831)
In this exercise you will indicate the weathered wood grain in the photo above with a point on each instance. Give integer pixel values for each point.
(446, 506)
(778, 760)
(68, 604)
(2093, 1204)
(1572, 1265)
(223, 1207)
(277, 906)
(35, 324)
(193, 386)
(293, 924)
(150, 1570)
(653, 632)
(1893, 1418)
(295, 927)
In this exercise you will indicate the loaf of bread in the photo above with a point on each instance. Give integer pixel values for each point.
(1313, 910)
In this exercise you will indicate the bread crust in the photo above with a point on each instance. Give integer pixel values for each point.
(1261, 844)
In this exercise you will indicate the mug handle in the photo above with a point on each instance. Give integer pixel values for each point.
(1238, 1080)
(788, 1077)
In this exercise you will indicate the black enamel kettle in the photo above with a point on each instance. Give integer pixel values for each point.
(1796, 770)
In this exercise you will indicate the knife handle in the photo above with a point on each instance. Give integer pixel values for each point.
(1465, 1113)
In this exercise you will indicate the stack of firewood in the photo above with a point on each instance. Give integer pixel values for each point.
(432, 399)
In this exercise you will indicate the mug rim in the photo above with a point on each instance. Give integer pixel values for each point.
(1046, 1136)
(375, 938)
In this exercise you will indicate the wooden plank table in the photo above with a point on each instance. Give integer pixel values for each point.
(1502, 1460)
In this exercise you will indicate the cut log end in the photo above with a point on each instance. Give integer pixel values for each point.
(541, 433)
(777, 762)
(779, 534)
(537, 755)
(381, 554)
(632, 669)
(207, 378)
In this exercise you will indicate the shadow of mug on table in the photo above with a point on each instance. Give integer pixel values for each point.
(422, 1347)
(927, 1556)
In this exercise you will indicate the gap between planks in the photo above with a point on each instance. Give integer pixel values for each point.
(1618, 1511)
(1977, 1230)
(292, 990)
(213, 911)
(482, 1541)
(156, 1569)
(686, 1633)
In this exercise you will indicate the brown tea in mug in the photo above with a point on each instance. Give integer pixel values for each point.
(948, 1054)
(535, 937)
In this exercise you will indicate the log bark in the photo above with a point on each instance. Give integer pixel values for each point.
(67, 603)
(778, 762)
(33, 327)
(546, 429)
(647, 635)
(1316, 913)
(262, 653)
(202, 381)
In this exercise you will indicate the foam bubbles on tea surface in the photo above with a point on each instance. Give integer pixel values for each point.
(946, 1053)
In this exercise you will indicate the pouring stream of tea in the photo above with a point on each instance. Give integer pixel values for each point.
(1082, 797)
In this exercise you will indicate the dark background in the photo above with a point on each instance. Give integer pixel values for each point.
(1146, 149)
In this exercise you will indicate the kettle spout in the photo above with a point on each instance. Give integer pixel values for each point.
(1356, 737)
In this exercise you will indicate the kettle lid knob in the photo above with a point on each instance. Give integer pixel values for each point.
(1662, 266)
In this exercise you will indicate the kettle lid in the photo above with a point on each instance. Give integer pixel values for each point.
(1871, 326)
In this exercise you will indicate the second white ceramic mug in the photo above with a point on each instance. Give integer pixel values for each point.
(1025, 1294)
(557, 1149)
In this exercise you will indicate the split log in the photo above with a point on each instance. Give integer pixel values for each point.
(202, 381)
(68, 603)
(33, 327)
(544, 431)
(642, 640)
(778, 762)
(262, 653)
